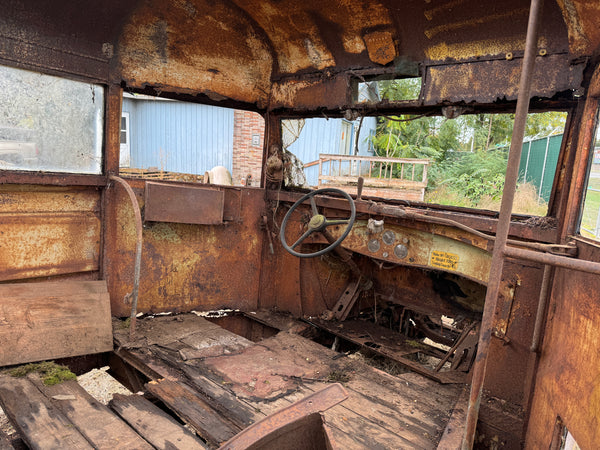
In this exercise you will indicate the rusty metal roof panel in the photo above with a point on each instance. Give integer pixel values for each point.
(234, 51)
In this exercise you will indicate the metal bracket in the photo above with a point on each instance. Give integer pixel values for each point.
(504, 309)
(347, 300)
(569, 249)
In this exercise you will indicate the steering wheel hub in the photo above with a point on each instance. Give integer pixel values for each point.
(316, 222)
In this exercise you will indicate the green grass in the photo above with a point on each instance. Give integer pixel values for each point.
(590, 213)
(591, 205)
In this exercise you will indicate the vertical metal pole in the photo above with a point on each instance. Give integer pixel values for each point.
(138, 252)
(512, 172)
(542, 306)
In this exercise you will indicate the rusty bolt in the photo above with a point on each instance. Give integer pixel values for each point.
(108, 50)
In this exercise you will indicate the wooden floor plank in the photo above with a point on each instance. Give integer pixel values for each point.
(366, 434)
(157, 364)
(279, 320)
(212, 342)
(414, 410)
(384, 425)
(53, 320)
(377, 397)
(269, 367)
(409, 425)
(164, 330)
(453, 433)
(101, 427)
(193, 410)
(153, 424)
(222, 400)
(41, 425)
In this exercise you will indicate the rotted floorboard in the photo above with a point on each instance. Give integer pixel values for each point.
(95, 421)
(41, 425)
(65, 416)
(153, 424)
(242, 382)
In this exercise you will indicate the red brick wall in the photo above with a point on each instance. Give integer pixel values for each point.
(247, 158)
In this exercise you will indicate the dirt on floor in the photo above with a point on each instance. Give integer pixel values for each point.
(5, 425)
(101, 385)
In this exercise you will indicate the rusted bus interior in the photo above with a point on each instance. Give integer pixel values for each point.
(298, 59)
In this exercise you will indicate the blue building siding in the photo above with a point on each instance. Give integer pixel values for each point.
(321, 135)
(179, 137)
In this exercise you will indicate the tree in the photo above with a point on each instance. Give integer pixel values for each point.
(447, 141)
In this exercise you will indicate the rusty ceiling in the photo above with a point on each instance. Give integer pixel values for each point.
(285, 54)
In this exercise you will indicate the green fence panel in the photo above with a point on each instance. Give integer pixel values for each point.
(538, 164)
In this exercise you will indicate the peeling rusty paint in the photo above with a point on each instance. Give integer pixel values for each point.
(471, 262)
(166, 46)
(567, 381)
(185, 267)
(581, 18)
(47, 231)
(490, 81)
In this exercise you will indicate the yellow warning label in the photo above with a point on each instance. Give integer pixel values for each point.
(444, 260)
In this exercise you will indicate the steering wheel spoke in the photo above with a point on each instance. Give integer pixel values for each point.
(329, 223)
(318, 222)
(313, 206)
(306, 234)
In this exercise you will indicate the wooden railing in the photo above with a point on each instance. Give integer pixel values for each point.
(404, 178)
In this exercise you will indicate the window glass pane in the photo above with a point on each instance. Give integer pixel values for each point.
(49, 123)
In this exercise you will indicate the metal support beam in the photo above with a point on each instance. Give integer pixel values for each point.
(497, 265)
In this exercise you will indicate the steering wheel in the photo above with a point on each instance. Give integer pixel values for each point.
(318, 222)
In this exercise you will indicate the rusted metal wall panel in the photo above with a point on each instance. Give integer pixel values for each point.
(511, 358)
(39, 36)
(568, 379)
(330, 92)
(184, 267)
(488, 81)
(183, 204)
(48, 231)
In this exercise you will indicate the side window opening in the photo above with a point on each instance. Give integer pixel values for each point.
(181, 141)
